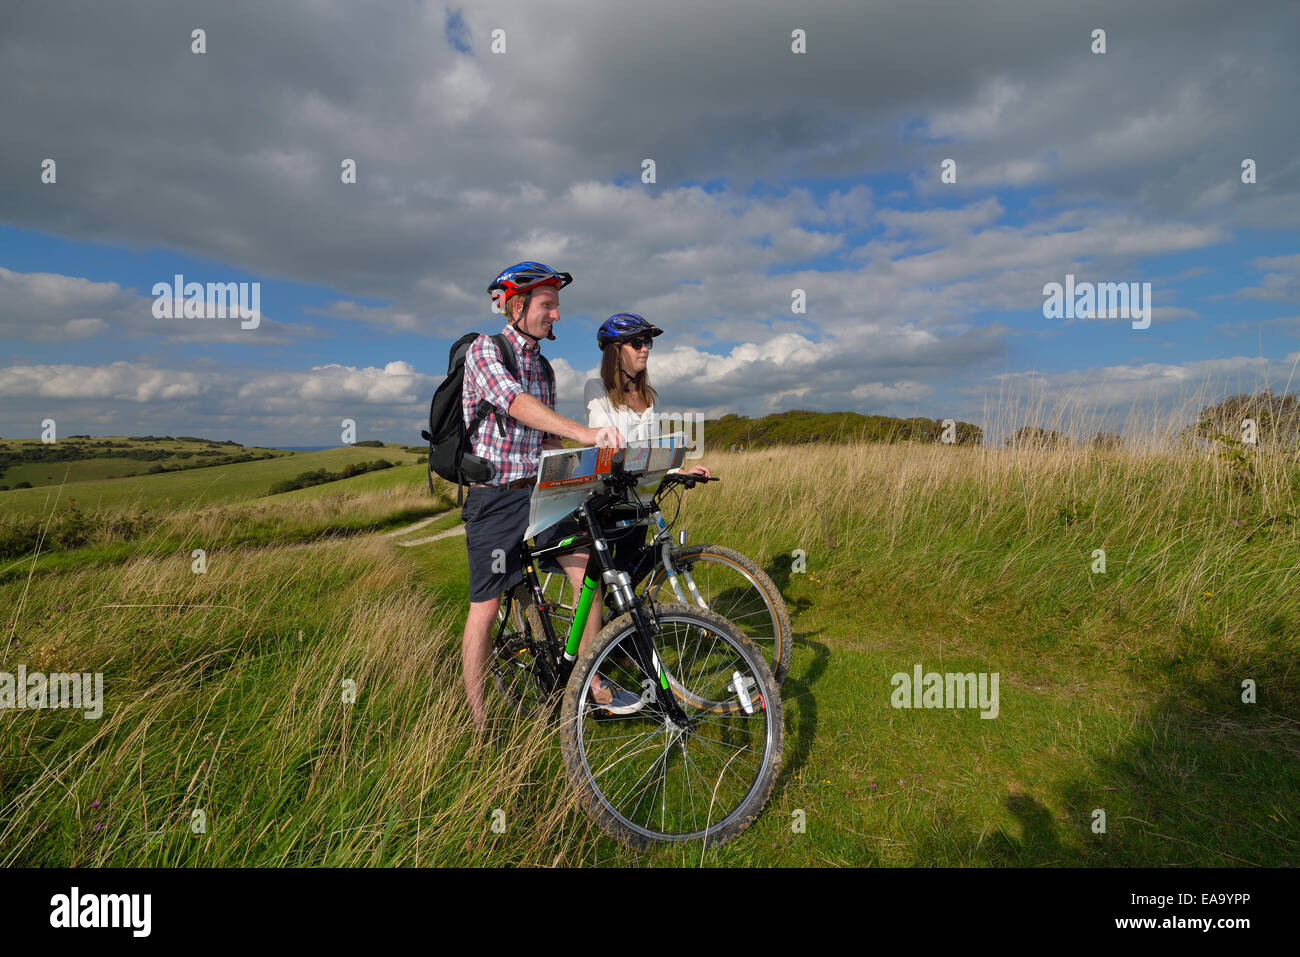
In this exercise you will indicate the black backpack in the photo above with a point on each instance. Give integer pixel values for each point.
(448, 436)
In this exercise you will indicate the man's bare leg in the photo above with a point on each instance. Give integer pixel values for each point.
(475, 651)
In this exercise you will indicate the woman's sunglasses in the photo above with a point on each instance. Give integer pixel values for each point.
(642, 341)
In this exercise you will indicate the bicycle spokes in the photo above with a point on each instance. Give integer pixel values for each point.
(669, 779)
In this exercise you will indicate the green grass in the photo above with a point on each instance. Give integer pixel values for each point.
(222, 483)
(401, 477)
(1119, 691)
(71, 539)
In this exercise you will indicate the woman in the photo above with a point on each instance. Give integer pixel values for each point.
(623, 398)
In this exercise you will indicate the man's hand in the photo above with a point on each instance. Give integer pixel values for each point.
(697, 470)
(606, 437)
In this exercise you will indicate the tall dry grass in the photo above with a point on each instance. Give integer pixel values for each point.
(215, 704)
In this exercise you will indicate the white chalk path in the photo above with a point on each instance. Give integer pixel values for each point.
(458, 530)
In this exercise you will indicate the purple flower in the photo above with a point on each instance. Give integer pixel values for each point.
(94, 803)
(98, 826)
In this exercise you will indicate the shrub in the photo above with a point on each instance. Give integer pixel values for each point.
(320, 476)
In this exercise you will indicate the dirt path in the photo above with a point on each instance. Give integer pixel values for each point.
(411, 528)
(352, 539)
(458, 530)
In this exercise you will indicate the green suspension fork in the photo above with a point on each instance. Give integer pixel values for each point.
(580, 611)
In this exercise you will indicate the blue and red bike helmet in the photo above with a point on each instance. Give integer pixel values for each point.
(625, 326)
(524, 278)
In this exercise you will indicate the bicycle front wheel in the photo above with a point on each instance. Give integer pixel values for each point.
(735, 587)
(645, 778)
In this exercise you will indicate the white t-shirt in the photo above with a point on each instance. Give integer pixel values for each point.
(600, 413)
(634, 426)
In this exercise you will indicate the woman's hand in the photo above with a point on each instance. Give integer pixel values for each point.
(697, 470)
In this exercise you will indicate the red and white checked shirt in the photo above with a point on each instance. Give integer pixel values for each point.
(517, 453)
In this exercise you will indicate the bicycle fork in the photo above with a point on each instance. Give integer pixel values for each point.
(670, 569)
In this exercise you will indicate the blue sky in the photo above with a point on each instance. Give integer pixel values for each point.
(775, 170)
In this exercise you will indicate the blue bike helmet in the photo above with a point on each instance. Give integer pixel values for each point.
(524, 278)
(624, 326)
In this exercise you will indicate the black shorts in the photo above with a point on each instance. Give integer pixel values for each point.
(495, 522)
(626, 547)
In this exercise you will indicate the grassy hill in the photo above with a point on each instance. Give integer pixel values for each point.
(192, 486)
(801, 427)
(83, 458)
(1121, 689)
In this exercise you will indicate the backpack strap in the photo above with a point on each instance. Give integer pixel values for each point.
(508, 360)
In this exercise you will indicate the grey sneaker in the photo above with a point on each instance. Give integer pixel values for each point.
(622, 701)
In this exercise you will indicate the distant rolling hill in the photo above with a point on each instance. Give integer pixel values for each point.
(83, 479)
(799, 427)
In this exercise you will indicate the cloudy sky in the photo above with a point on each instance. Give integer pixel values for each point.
(774, 170)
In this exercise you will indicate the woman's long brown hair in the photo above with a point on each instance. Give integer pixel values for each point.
(611, 375)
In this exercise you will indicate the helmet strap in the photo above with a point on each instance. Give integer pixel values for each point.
(518, 326)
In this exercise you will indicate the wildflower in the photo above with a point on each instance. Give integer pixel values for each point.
(94, 803)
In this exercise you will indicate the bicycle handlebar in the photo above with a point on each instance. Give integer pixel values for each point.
(688, 480)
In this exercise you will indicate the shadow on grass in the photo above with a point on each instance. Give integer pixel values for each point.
(778, 569)
(796, 691)
(1202, 780)
(798, 700)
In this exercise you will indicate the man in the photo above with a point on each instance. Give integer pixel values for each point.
(496, 515)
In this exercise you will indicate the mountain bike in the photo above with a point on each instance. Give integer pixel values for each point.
(711, 576)
(695, 757)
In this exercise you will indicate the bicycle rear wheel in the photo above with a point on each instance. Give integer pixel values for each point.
(737, 589)
(558, 593)
(519, 676)
(646, 779)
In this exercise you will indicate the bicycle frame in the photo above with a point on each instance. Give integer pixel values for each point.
(660, 551)
(599, 568)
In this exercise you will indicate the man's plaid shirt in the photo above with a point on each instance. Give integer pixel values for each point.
(517, 453)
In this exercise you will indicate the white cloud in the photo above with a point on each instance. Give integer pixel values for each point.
(121, 381)
(891, 391)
